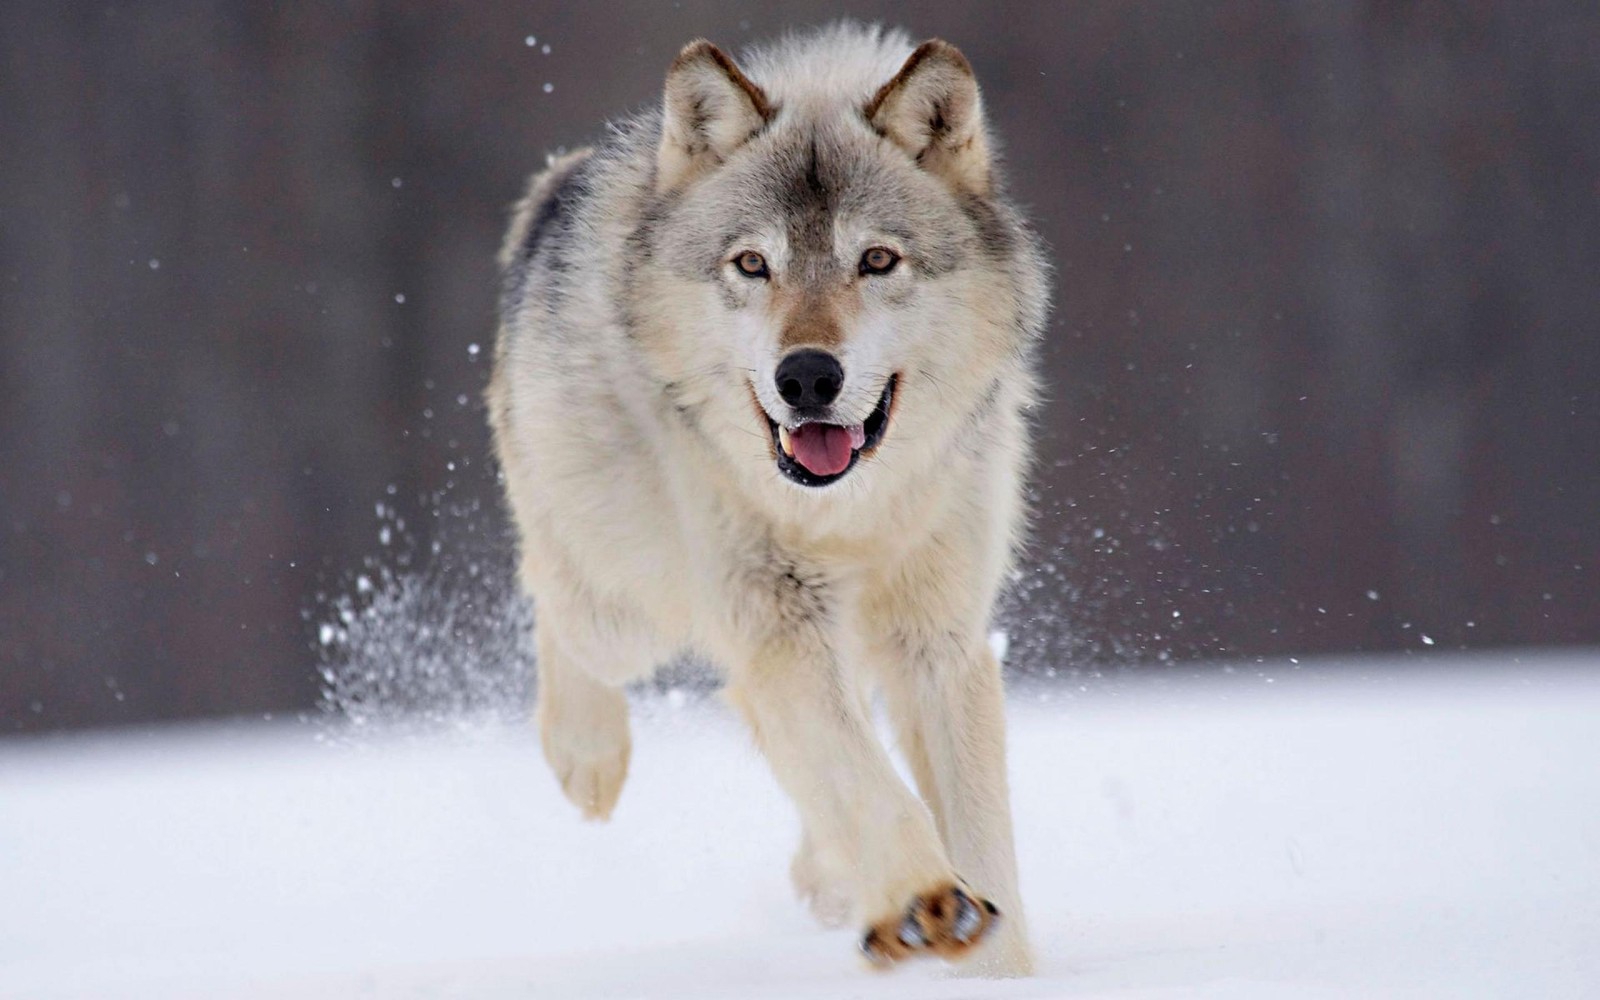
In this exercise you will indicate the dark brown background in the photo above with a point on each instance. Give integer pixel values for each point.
(1329, 279)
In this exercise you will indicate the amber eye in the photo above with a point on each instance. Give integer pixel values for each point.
(751, 264)
(879, 260)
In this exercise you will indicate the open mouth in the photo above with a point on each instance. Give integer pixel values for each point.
(814, 453)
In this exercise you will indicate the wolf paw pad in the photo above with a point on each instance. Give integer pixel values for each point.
(947, 922)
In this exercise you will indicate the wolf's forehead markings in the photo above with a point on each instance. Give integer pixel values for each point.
(808, 196)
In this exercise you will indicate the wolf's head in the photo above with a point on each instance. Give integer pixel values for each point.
(825, 274)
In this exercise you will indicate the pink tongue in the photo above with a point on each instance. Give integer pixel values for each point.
(824, 449)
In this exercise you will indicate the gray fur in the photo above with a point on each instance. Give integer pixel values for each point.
(637, 421)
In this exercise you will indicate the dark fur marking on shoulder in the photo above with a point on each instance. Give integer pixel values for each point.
(555, 211)
(551, 222)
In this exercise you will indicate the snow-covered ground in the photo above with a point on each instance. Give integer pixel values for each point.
(1364, 830)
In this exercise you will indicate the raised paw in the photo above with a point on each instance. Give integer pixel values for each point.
(593, 785)
(947, 922)
(587, 746)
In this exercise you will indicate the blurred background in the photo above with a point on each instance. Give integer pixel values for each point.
(1324, 368)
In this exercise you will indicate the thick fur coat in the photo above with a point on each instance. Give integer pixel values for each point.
(760, 392)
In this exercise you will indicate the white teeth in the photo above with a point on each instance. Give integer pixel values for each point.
(858, 437)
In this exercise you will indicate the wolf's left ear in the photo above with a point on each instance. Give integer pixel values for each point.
(932, 110)
(710, 109)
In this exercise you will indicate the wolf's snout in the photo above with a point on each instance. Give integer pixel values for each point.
(809, 378)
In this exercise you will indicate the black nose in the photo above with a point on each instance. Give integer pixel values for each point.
(809, 378)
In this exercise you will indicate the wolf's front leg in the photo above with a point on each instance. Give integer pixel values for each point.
(948, 706)
(819, 741)
(583, 727)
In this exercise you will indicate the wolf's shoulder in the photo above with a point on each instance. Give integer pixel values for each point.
(552, 193)
(572, 185)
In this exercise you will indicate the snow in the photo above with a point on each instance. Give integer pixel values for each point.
(1365, 829)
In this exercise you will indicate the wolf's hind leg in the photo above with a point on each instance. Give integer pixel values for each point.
(583, 727)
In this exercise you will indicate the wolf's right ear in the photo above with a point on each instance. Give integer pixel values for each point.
(710, 109)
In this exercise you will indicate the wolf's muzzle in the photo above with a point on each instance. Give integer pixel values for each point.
(817, 453)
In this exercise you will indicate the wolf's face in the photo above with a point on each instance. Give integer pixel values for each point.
(827, 279)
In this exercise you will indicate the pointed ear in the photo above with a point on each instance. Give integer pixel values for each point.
(710, 109)
(931, 109)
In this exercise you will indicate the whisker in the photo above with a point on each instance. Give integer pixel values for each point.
(937, 382)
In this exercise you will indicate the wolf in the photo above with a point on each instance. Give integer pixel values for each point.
(761, 392)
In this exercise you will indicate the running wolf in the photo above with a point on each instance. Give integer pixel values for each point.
(760, 392)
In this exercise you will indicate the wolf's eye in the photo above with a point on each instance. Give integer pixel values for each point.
(879, 260)
(751, 264)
